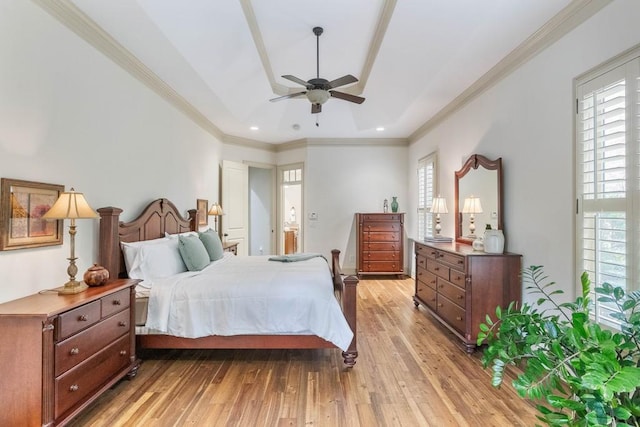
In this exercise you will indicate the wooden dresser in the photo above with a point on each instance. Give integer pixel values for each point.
(460, 286)
(58, 353)
(380, 243)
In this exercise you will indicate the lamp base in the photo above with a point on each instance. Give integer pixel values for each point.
(72, 287)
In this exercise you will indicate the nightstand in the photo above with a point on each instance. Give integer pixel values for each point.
(230, 247)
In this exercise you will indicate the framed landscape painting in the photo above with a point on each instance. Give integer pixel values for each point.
(22, 204)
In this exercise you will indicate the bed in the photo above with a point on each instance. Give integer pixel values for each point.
(161, 218)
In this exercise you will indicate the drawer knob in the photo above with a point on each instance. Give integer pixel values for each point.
(458, 318)
(122, 323)
(440, 305)
(437, 268)
(123, 352)
(74, 350)
(116, 302)
(459, 296)
(82, 318)
(420, 274)
(74, 387)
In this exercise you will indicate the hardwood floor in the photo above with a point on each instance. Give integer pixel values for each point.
(410, 372)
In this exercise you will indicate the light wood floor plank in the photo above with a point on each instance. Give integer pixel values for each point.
(410, 372)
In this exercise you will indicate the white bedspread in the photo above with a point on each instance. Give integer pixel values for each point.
(250, 295)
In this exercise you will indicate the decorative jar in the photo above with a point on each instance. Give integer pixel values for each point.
(493, 241)
(96, 275)
(394, 204)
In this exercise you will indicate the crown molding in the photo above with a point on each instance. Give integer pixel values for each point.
(370, 142)
(562, 23)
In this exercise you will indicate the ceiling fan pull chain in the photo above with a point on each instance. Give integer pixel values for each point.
(317, 124)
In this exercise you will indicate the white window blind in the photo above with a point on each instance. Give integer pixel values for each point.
(426, 193)
(608, 173)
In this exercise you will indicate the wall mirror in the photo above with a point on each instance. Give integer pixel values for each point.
(478, 197)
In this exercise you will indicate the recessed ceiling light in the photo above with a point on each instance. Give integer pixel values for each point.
(254, 128)
(379, 128)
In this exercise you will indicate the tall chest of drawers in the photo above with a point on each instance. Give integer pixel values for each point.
(58, 353)
(380, 243)
(459, 286)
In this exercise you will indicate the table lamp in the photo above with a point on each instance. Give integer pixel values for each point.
(216, 211)
(71, 205)
(472, 206)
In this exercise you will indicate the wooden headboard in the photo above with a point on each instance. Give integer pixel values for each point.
(159, 217)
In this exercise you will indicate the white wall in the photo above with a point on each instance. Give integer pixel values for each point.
(527, 119)
(69, 116)
(343, 180)
(260, 208)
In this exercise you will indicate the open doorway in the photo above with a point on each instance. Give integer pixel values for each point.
(291, 218)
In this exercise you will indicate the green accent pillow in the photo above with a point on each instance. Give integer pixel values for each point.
(193, 252)
(212, 243)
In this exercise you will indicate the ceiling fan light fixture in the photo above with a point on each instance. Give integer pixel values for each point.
(317, 96)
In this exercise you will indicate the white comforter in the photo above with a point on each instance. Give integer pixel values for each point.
(250, 295)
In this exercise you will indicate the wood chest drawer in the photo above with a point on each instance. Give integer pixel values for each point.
(79, 382)
(438, 269)
(77, 319)
(381, 236)
(381, 226)
(81, 346)
(452, 292)
(453, 314)
(457, 278)
(453, 260)
(381, 266)
(427, 295)
(427, 278)
(380, 256)
(394, 217)
(115, 302)
(381, 246)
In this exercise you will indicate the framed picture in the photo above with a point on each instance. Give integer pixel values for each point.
(22, 204)
(203, 210)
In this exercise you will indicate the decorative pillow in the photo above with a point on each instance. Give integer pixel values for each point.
(212, 243)
(175, 236)
(153, 259)
(193, 252)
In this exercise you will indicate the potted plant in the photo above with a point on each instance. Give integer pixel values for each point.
(576, 371)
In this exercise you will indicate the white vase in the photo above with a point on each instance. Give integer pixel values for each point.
(478, 244)
(493, 241)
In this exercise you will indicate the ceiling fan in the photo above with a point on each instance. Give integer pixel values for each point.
(320, 90)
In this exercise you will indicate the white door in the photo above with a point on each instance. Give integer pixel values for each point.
(235, 204)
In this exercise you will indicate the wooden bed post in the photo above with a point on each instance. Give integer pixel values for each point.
(109, 252)
(348, 289)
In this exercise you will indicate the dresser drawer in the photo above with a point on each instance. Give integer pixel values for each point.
(381, 226)
(380, 236)
(457, 278)
(453, 260)
(425, 251)
(381, 266)
(380, 256)
(452, 292)
(381, 246)
(438, 269)
(115, 302)
(451, 313)
(77, 319)
(427, 295)
(82, 380)
(427, 278)
(83, 345)
(381, 217)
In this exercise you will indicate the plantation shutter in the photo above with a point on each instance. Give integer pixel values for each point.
(608, 173)
(426, 193)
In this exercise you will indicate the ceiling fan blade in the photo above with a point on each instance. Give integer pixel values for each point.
(316, 108)
(291, 95)
(344, 80)
(346, 96)
(296, 80)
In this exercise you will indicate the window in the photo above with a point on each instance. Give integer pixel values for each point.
(426, 193)
(608, 174)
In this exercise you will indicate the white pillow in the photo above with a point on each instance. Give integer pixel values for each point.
(153, 259)
(175, 236)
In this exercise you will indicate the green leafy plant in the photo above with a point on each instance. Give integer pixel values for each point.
(577, 372)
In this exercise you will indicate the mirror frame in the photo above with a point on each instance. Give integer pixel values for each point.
(474, 162)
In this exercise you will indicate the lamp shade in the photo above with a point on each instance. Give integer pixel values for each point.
(70, 205)
(216, 209)
(439, 205)
(472, 205)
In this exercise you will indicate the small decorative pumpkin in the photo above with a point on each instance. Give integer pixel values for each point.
(96, 275)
